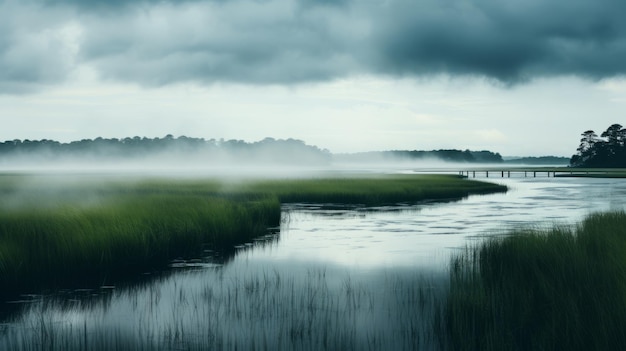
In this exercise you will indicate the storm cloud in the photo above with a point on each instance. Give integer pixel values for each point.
(289, 42)
(36, 48)
(251, 42)
(506, 40)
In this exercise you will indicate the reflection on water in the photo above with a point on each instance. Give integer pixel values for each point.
(242, 306)
(336, 278)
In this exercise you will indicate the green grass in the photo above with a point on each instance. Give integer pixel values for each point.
(558, 289)
(56, 231)
(372, 190)
(55, 247)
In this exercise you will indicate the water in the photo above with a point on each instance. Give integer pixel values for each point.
(424, 235)
(333, 278)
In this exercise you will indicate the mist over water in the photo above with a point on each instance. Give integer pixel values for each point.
(350, 276)
(185, 156)
(166, 153)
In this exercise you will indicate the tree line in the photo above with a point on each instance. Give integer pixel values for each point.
(606, 151)
(448, 155)
(267, 150)
(452, 155)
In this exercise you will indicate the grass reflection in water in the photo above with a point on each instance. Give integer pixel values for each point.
(244, 308)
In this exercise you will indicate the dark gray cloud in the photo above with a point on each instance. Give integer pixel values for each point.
(505, 40)
(288, 41)
(251, 42)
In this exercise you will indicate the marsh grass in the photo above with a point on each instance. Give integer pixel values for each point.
(56, 247)
(557, 289)
(56, 230)
(368, 190)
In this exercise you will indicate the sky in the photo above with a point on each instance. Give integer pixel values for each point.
(522, 78)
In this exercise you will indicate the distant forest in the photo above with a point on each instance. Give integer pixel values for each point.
(167, 149)
(542, 160)
(187, 149)
(449, 155)
(606, 151)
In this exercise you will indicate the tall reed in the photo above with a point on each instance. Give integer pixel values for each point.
(557, 289)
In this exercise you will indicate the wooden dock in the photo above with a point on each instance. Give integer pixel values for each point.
(506, 174)
(535, 173)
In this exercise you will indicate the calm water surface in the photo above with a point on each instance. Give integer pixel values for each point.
(332, 278)
(426, 234)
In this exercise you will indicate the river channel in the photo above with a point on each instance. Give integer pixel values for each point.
(330, 277)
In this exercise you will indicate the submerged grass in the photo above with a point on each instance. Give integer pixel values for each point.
(56, 231)
(558, 289)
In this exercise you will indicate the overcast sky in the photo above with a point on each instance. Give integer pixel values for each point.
(510, 76)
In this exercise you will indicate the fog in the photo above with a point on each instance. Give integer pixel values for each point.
(173, 166)
(196, 157)
(48, 178)
(178, 156)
